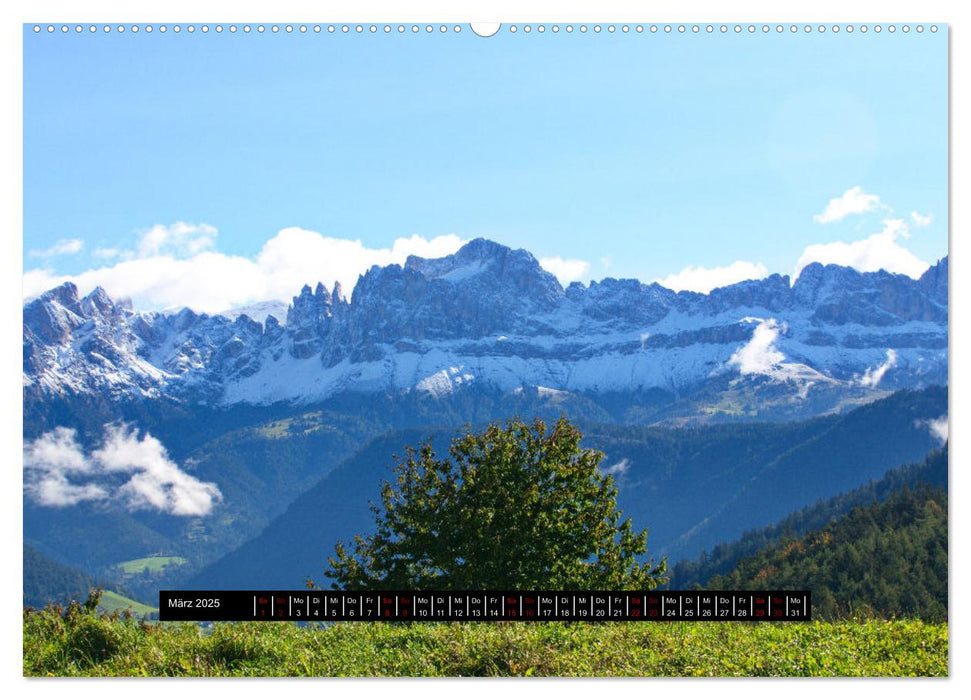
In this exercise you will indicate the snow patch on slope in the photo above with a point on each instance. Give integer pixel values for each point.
(444, 382)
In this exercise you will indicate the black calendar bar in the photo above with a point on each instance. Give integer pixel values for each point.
(485, 606)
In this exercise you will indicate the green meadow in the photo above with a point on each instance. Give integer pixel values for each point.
(79, 642)
(153, 564)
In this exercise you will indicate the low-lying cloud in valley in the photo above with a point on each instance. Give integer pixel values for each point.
(871, 378)
(760, 354)
(129, 470)
(938, 427)
(618, 469)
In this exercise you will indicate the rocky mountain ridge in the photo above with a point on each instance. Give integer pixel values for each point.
(490, 317)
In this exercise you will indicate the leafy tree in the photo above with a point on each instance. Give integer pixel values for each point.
(516, 506)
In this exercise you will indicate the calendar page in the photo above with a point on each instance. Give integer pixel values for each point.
(425, 348)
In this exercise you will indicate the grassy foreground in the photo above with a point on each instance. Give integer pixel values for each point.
(81, 643)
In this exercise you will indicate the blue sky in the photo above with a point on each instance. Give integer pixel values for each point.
(178, 157)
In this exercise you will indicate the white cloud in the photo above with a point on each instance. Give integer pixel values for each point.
(871, 378)
(939, 428)
(853, 201)
(296, 256)
(920, 219)
(65, 246)
(156, 482)
(48, 460)
(174, 267)
(618, 469)
(106, 253)
(704, 279)
(57, 450)
(179, 240)
(881, 251)
(58, 473)
(565, 271)
(56, 491)
(759, 355)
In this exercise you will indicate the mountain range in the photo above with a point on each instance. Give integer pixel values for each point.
(248, 441)
(491, 319)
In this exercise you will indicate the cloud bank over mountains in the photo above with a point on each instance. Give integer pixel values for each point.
(177, 265)
(704, 279)
(171, 266)
(881, 251)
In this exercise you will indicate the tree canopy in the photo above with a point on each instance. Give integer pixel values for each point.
(516, 506)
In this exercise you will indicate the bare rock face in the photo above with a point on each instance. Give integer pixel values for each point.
(934, 283)
(308, 321)
(492, 316)
(841, 295)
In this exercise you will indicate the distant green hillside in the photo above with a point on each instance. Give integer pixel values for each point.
(152, 564)
(113, 602)
(887, 559)
(46, 580)
(931, 471)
